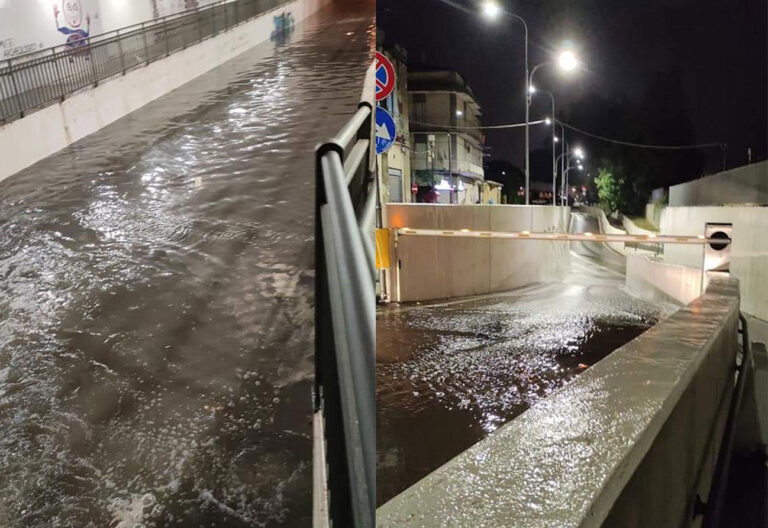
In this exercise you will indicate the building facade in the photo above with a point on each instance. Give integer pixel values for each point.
(394, 166)
(446, 142)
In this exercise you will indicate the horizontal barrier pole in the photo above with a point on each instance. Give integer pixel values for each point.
(583, 237)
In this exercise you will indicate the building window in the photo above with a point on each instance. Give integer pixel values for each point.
(419, 107)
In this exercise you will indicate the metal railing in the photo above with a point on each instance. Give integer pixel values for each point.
(32, 81)
(345, 319)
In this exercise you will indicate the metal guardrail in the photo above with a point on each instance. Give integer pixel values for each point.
(345, 325)
(715, 505)
(34, 80)
(656, 249)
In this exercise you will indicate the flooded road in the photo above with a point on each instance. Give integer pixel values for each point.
(156, 299)
(449, 374)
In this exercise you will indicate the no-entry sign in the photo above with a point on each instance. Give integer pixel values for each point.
(385, 77)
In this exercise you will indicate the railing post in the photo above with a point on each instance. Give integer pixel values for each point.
(58, 74)
(120, 51)
(93, 65)
(165, 36)
(146, 46)
(17, 94)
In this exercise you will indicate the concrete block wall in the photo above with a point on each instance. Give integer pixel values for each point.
(749, 251)
(427, 268)
(42, 133)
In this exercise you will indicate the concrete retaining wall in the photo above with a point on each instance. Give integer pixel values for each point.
(744, 185)
(607, 228)
(749, 251)
(26, 141)
(662, 282)
(628, 443)
(633, 229)
(429, 268)
(653, 213)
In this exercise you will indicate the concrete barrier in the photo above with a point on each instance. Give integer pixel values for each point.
(443, 267)
(630, 442)
(40, 134)
(749, 251)
(657, 281)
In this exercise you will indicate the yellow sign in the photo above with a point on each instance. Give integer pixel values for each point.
(382, 248)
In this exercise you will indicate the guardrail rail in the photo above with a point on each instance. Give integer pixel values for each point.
(34, 80)
(345, 319)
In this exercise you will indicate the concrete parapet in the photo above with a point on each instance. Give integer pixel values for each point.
(444, 267)
(630, 442)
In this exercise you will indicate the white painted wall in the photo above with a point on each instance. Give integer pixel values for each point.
(116, 14)
(40, 134)
(749, 251)
(29, 25)
(443, 267)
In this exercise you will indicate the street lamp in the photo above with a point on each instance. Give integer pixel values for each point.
(491, 10)
(567, 62)
(552, 121)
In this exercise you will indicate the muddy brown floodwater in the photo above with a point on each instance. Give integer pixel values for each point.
(449, 374)
(156, 299)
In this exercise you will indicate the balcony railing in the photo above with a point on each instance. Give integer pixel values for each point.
(32, 81)
(345, 320)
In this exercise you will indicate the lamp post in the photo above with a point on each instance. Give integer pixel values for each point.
(566, 156)
(492, 10)
(554, 141)
(567, 62)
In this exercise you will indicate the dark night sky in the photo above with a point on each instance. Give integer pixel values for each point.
(718, 48)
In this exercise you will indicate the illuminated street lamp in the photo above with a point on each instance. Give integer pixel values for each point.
(492, 10)
(567, 62)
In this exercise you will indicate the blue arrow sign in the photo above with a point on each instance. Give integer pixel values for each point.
(385, 130)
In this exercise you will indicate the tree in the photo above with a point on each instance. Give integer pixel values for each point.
(611, 190)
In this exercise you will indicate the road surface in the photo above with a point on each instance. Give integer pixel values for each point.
(156, 299)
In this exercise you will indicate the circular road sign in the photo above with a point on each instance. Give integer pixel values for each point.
(385, 130)
(385, 77)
